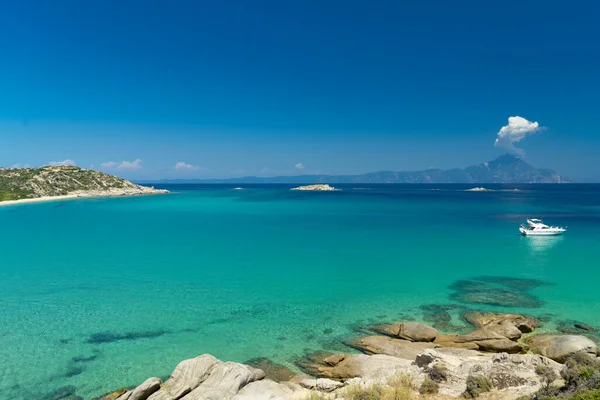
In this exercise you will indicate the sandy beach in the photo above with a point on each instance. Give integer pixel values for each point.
(93, 194)
(38, 199)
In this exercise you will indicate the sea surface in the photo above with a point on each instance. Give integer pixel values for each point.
(98, 294)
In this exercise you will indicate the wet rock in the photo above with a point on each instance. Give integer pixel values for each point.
(392, 347)
(560, 347)
(117, 394)
(584, 327)
(273, 371)
(412, 331)
(187, 376)
(143, 391)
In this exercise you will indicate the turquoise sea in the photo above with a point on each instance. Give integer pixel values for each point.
(98, 294)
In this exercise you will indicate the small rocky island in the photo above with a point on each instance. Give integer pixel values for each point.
(318, 187)
(500, 358)
(53, 182)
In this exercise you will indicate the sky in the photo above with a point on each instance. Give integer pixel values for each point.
(191, 89)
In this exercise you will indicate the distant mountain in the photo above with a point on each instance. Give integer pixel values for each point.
(504, 169)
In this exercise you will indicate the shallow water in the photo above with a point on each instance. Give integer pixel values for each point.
(99, 294)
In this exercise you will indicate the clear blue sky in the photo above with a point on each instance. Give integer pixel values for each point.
(235, 88)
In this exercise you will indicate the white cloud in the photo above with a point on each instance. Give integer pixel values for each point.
(123, 165)
(516, 130)
(130, 165)
(62, 163)
(109, 164)
(299, 166)
(18, 165)
(182, 166)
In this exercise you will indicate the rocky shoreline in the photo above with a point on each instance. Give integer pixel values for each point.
(501, 358)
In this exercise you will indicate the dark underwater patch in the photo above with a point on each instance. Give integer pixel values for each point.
(74, 370)
(110, 337)
(572, 327)
(438, 315)
(513, 283)
(84, 359)
(61, 393)
(497, 291)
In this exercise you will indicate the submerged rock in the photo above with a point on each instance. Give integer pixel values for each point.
(575, 328)
(495, 291)
(117, 394)
(61, 393)
(273, 371)
(560, 347)
(440, 318)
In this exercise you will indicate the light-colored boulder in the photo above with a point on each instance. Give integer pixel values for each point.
(512, 374)
(321, 384)
(510, 326)
(125, 396)
(267, 389)
(392, 347)
(224, 381)
(481, 339)
(187, 376)
(561, 347)
(143, 391)
(346, 366)
(412, 331)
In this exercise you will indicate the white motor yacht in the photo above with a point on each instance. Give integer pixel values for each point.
(535, 227)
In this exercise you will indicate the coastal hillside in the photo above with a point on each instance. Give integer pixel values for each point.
(30, 183)
(504, 169)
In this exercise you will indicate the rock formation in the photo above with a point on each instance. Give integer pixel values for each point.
(417, 352)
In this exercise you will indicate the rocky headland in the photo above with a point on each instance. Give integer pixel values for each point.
(500, 358)
(64, 182)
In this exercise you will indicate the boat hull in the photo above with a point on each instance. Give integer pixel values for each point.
(526, 232)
